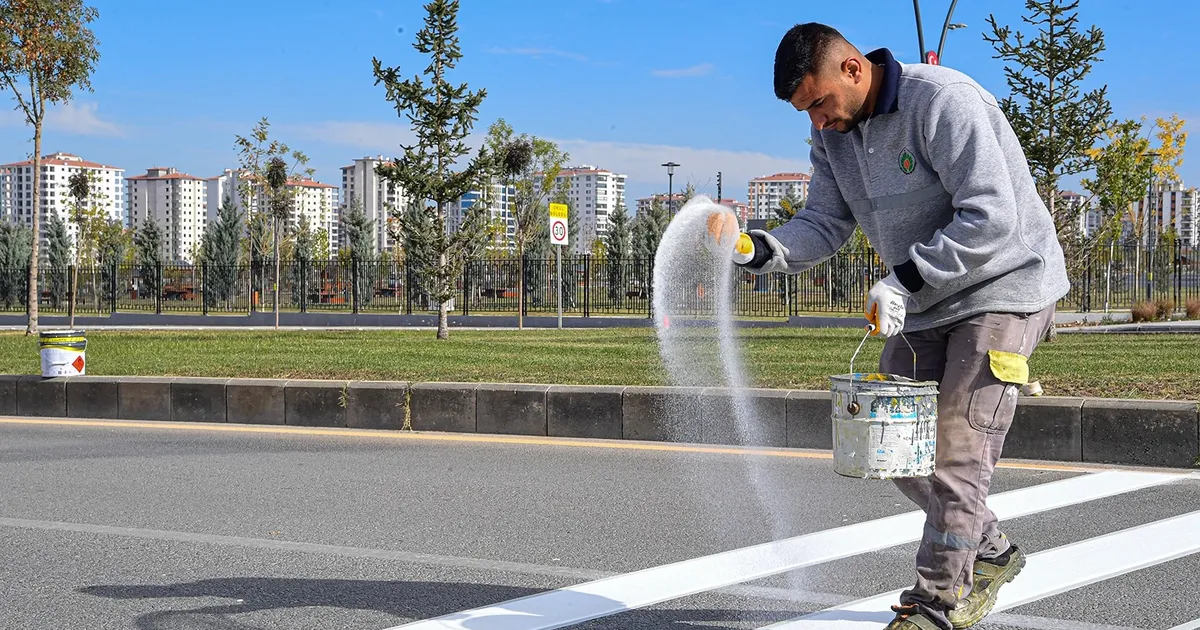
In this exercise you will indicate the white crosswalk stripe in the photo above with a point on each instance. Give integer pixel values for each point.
(1047, 573)
(567, 606)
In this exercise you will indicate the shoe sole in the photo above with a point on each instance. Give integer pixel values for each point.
(984, 612)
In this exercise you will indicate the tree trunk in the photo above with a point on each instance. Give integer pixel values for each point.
(277, 273)
(443, 331)
(74, 285)
(520, 287)
(31, 327)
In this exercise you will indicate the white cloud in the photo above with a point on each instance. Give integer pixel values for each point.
(70, 118)
(80, 120)
(698, 70)
(642, 164)
(373, 138)
(537, 53)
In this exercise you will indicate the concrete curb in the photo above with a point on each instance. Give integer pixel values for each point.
(1093, 430)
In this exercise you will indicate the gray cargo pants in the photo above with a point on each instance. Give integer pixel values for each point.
(973, 361)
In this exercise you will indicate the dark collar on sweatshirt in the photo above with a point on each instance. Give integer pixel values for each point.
(887, 101)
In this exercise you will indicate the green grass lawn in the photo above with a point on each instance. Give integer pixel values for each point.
(1115, 366)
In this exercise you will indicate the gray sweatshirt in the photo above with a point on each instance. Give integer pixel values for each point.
(940, 185)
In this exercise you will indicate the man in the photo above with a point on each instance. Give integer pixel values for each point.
(924, 160)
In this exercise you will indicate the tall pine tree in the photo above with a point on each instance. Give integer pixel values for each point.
(149, 243)
(221, 244)
(417, 238)
(442, 115)
(302, 257)
(58, 259)
(16, 242)
(618, 250)
(359, 232)
(1056, 122)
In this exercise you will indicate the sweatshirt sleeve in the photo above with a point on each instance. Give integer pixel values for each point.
(824, 224)
(963, 148)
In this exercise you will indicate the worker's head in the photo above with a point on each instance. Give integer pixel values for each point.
(818, 71)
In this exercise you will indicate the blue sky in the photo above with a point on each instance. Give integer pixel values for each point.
(620, 84)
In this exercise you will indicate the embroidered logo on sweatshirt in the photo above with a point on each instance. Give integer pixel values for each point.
(907, 162)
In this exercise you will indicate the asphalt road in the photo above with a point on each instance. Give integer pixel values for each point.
(173, 526)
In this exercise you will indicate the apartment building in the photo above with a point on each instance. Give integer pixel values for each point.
(498, 200)
(177, 202)
(595, 193)
(674, 203)
(378, 197)
(1169, 205)
(316, 200)
(16, 190)
(764, 193)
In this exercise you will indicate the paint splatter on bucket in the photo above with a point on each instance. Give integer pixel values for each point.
(884, 426)
(63, 352)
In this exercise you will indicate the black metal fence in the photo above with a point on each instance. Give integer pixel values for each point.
(1110, 279)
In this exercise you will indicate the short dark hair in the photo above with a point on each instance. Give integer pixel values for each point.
(801, 52)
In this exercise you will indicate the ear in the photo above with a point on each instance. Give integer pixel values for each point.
(853, 68)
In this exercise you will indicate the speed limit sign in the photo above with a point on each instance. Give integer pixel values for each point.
(558, 223)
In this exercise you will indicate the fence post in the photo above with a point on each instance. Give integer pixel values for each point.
(354, 285)
(204, 287)
(1178, 266)
(408, 287)
(648, 279)
(71, 289)
(158, 268)
(466, 279)
(587, 285)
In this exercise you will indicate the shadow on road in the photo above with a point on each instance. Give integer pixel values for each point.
(408, 601)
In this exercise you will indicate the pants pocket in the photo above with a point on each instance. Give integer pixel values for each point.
(994, 400)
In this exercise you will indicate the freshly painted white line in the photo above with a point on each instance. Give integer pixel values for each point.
(1191, 625)
(608, 596)
(1047, 573)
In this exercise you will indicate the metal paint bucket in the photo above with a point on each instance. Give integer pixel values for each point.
(884, 425)
(62, 352)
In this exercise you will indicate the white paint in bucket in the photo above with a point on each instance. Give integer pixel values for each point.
(63, 352)
(884, 426)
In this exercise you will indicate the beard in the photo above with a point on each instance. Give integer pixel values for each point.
(860, 113)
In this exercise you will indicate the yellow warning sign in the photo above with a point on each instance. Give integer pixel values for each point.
(558, 211)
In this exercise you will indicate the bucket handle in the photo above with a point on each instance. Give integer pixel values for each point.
(870, 329)
(854, 407)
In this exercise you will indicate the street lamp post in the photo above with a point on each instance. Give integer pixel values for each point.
(670, 180)
(1150, 229)
(930, 56)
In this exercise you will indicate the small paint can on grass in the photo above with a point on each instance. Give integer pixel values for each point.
(884, 425)
(62, 352)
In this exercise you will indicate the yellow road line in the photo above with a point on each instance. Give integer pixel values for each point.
(477, 438)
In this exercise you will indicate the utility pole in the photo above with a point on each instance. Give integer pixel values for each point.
(718, 186)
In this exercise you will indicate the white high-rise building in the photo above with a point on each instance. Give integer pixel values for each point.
(765, 193)
(318, 203)
(313, 199)
(1172, 206)
(16, 190)
(674, 203)
(595, 192)
(177, 202)
(1090, 220)
(377, 196)
(220, 187)
(499, 203)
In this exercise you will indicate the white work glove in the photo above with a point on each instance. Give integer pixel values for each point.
(887, 303)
